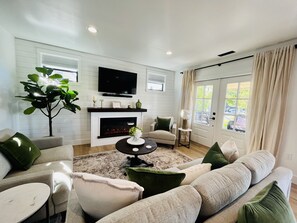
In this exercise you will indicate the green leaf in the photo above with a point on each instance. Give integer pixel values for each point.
(33, 77)
(39, 104)
(41, 70)
(29, 111)
(64, 81)
(56, 76)
(45, 71)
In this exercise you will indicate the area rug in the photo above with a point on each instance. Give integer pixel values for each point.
(108, 164)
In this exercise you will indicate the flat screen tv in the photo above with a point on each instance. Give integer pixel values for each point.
(116, 82)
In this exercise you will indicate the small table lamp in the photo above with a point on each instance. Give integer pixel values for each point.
(185, 115)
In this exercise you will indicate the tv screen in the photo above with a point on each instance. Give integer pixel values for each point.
(116, 81)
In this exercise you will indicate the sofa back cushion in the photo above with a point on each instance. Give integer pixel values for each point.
(179, 205)
(193, 172)
(269, 205)
(100, 196)
(260, 163)
(5, 166)
(220, 187)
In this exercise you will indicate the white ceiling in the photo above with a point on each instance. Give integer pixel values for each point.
(141, 31)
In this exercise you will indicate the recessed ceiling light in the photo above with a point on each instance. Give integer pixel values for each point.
(168, 52)
(92, 29)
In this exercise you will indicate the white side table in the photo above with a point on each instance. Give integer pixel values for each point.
(187, 131)
(20, 202)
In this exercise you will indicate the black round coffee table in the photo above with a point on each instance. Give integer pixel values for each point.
(126, 148)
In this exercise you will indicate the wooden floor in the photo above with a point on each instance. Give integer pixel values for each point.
(195, 151)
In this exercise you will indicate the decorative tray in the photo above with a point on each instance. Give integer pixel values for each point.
(139, 142)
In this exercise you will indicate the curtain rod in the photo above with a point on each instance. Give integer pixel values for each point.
(229, 61)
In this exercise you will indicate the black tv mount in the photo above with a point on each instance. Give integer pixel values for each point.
(117, 95)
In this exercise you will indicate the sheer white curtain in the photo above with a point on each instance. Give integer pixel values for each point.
(270, 79)
(188, 91)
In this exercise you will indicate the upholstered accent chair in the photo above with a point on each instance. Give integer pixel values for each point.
(163, 130)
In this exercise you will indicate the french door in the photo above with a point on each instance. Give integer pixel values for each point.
(220, 111)
(205, 111)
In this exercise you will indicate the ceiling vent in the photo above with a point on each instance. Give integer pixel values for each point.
(227, 53)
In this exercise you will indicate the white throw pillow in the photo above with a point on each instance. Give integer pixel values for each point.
(100, 196)
(5, 166)
(193, 172)
(230, 150)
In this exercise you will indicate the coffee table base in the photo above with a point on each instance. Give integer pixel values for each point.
(136, 162)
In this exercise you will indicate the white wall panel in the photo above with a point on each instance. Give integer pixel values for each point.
(7, 82)
(76, 127)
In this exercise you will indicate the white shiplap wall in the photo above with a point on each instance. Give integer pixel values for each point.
(7, 82)
(76, 127)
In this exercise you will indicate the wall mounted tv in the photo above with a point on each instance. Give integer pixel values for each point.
(116, 83)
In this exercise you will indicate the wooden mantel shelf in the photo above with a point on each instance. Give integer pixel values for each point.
(92, 109)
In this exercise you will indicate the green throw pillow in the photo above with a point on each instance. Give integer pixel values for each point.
(163, 124)
(216, 157)
(269, 205)
(154, 181)
(20, 151)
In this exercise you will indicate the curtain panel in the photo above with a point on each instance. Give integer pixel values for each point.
(188, 91)
(270, 80)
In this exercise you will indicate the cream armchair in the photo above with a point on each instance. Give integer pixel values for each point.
(163, 136)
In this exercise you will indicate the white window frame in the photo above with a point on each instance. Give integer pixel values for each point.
(41, 52)
(148, 81)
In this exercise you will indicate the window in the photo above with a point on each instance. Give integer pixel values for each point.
(155, 81)
(236, 102)
(203, 102)
(67, 67)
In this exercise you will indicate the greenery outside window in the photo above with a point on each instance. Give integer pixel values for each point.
(236, 103)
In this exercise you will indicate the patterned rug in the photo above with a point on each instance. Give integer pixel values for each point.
(108, 164)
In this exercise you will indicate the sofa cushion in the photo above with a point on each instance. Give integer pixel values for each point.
(20, 151)
(179, 205)
(220, 187)
(269, 205)
(163, 124)
(161, 134)
(193, 172)
(55, 154)
(230, 150)
(216, 157)
(260, 163)
(100, 196)
(154, 181)
(5, 166)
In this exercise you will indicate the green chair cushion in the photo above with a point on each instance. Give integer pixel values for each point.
(154, 181)
(269, 205)
(20, 151)
(216, 157)
(163, 124)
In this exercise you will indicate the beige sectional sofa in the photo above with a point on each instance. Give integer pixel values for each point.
(53, 168)
(213, 197)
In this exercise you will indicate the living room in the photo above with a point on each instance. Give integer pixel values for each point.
(23, 45)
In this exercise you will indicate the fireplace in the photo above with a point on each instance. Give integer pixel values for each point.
(111, 127)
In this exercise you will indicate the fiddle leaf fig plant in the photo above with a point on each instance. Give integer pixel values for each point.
(49, 93)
